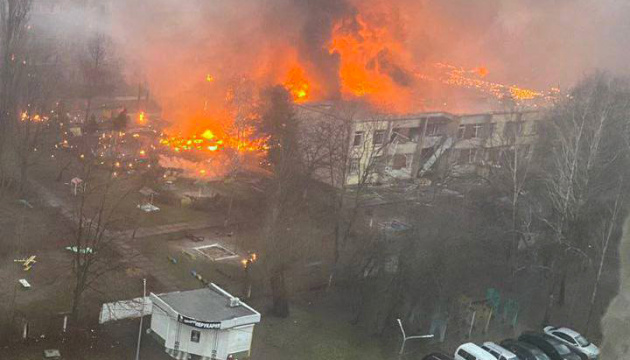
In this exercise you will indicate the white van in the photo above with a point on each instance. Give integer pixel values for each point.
(499, 352)
(470, 351)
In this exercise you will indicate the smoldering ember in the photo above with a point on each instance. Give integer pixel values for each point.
(314, 179)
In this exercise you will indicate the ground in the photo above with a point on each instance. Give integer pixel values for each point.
(319, 326)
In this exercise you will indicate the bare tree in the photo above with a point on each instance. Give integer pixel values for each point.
(608, 229)
(38, 88)
(509, 174)
(345, 146)
(584, 154)
(94, 212)
(13, 17)
(98, 70)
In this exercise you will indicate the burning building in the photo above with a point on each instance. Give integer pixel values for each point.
(382, 148)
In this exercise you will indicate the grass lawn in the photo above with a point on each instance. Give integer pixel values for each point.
(307, 335)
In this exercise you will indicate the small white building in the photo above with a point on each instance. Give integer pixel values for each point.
(203, 324)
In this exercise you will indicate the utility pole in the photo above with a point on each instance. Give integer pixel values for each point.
(144, 296)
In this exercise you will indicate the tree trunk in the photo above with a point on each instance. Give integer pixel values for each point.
(563, 285)
(279, 293)
(76, 300)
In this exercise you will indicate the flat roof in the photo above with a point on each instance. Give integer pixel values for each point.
(210, 304)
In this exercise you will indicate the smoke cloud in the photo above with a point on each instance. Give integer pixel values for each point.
(172, 44)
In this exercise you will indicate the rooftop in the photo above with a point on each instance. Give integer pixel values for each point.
(211, 304)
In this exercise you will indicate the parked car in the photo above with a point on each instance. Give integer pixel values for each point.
(555, 349)
(574, 340)
(499, 352)
(437, 356)
(471, 351)
(524, 351)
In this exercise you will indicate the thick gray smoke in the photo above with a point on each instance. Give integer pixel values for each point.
(173, 44)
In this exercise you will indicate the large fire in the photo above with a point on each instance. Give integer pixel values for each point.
(373, 64)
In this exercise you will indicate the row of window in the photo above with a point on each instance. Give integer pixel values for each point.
(377, 139)
(492, 156)
(461, 157)
(511, 129)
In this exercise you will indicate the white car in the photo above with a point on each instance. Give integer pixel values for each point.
(575, 340)
(499, 352)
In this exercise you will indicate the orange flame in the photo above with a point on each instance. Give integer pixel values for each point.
(297, 84)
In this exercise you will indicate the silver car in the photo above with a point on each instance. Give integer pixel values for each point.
(575, 340)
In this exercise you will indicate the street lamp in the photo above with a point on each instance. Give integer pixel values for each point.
(144, 297)
(405, 337)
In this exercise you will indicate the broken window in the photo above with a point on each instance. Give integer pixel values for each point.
(436, 128)
(354, 166)
(358, 138)
(461, 132)
(467, 156)
(476, 130)
(488, 130)
(378, 138)
(415, 133)
(399, 162)
(493, 155)
(513, 129)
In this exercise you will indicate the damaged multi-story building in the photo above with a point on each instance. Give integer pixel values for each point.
(429, 144)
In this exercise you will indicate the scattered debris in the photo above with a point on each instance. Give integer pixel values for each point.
(172, 259)
(148, 208)
(194, 238)
(25, 203)
(27, 263)
(52, 354)
(74, 249)
(25, 283)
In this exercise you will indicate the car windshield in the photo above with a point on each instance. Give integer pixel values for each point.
(582, 341)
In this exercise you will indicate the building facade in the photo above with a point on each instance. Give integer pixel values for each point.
(387, 148)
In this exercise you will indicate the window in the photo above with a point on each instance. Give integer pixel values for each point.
(492, 352)
(399, 162)
(414, 133)
(461, 131)
(488, 130)
(467, 156)
(582, 341)
(466, 355)
(493, 155)
(436, 128)
(477, 130)
(354, 166)
(195, 335)
(537, 127)
(379, 138)
(564, 337)
(358, 138)
(473, 131)
(513, 129)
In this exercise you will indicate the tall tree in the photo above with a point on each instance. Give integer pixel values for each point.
(98, 70)
(284, 205)
(583, 155)
(13, 21)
